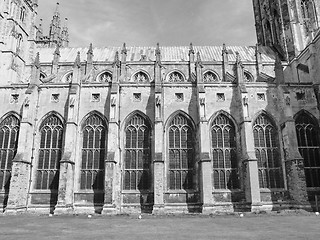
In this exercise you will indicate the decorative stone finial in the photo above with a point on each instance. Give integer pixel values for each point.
(77, 62)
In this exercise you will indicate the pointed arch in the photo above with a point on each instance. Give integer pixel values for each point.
(137, 152)
(307, 130)
(266, 145)
(224, 152)
(211, 76)
(104, 76)
(181, 151)
(9, 133)
(50, 151)
(140, 76)
(93, 151)
(176, 76)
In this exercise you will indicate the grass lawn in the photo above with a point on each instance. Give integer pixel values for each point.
(261, 226)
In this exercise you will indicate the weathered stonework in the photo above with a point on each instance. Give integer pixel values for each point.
(160, 129)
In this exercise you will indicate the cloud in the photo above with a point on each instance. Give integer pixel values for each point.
(146, 22)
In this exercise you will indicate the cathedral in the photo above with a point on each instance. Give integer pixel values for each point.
(190, 129)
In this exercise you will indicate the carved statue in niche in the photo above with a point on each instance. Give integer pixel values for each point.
(72, 102)
(288, 101)
(113, 101)
(158, 101)
(26, 102)
(202, 101)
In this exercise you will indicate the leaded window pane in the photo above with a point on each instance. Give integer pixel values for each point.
(308, 143)
(225, 167)
(267, 153)
(181, 154)
(137, 154)
(9, 131)
(93, 153)
(50, 150)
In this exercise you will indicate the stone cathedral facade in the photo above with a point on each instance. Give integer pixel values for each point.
(160, 129)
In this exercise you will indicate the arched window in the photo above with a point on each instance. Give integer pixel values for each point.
(9, 131)
(308, 143)
(93, 153)
(210, 76)
(175, 77)
(50, 150)
(140, 77)
(22, 13)
(308, 14)
(247, 77)
(67, 78)
(225, 166)
(267, 152)
(137, 154)
(181, 153)
(105, 77)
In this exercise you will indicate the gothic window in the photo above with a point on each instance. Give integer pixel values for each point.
(247, 77)
(50, 150)
(140, 77)
(225, 167)
(267, 152)
(67, 78)
(93, 153)
(9, 131)
(175, 77)
(181, 153)
(42, 77)
(105, 77)
(308, 143)
(210, 77)
(137, 175)
(308, 15)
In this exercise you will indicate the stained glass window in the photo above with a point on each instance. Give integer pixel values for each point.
(181, 153)
(225, 166)
(308, 143)
(137, 155)
(50, 150)
(93, 153)
(267, 152)
(9, 131)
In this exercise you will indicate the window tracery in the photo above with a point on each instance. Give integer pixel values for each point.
(105, 77)
(140, 77)
(175, 77)
(223, 142)
(181, 153)
(308, 15)
(93, 153)
(308, 144)
(267, 153)
(137, 160)
(247, 77)
(9, 131)
(210, 76)
(50, 150)
(68, 78)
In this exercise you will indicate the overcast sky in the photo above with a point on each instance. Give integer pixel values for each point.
(146, 22)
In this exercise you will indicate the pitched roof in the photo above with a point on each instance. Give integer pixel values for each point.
(168, 54)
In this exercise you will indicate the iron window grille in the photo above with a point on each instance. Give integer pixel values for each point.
(93, 153)
(50, 150)
(181, 153)
(9, 131)
(308, 143)
(267, 152)
(137, 160)
(224, 152)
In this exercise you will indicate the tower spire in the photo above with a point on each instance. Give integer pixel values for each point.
(55, 28)
(65, 34)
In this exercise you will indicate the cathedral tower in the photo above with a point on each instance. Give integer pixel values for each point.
(286, 25)
(17, 34)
